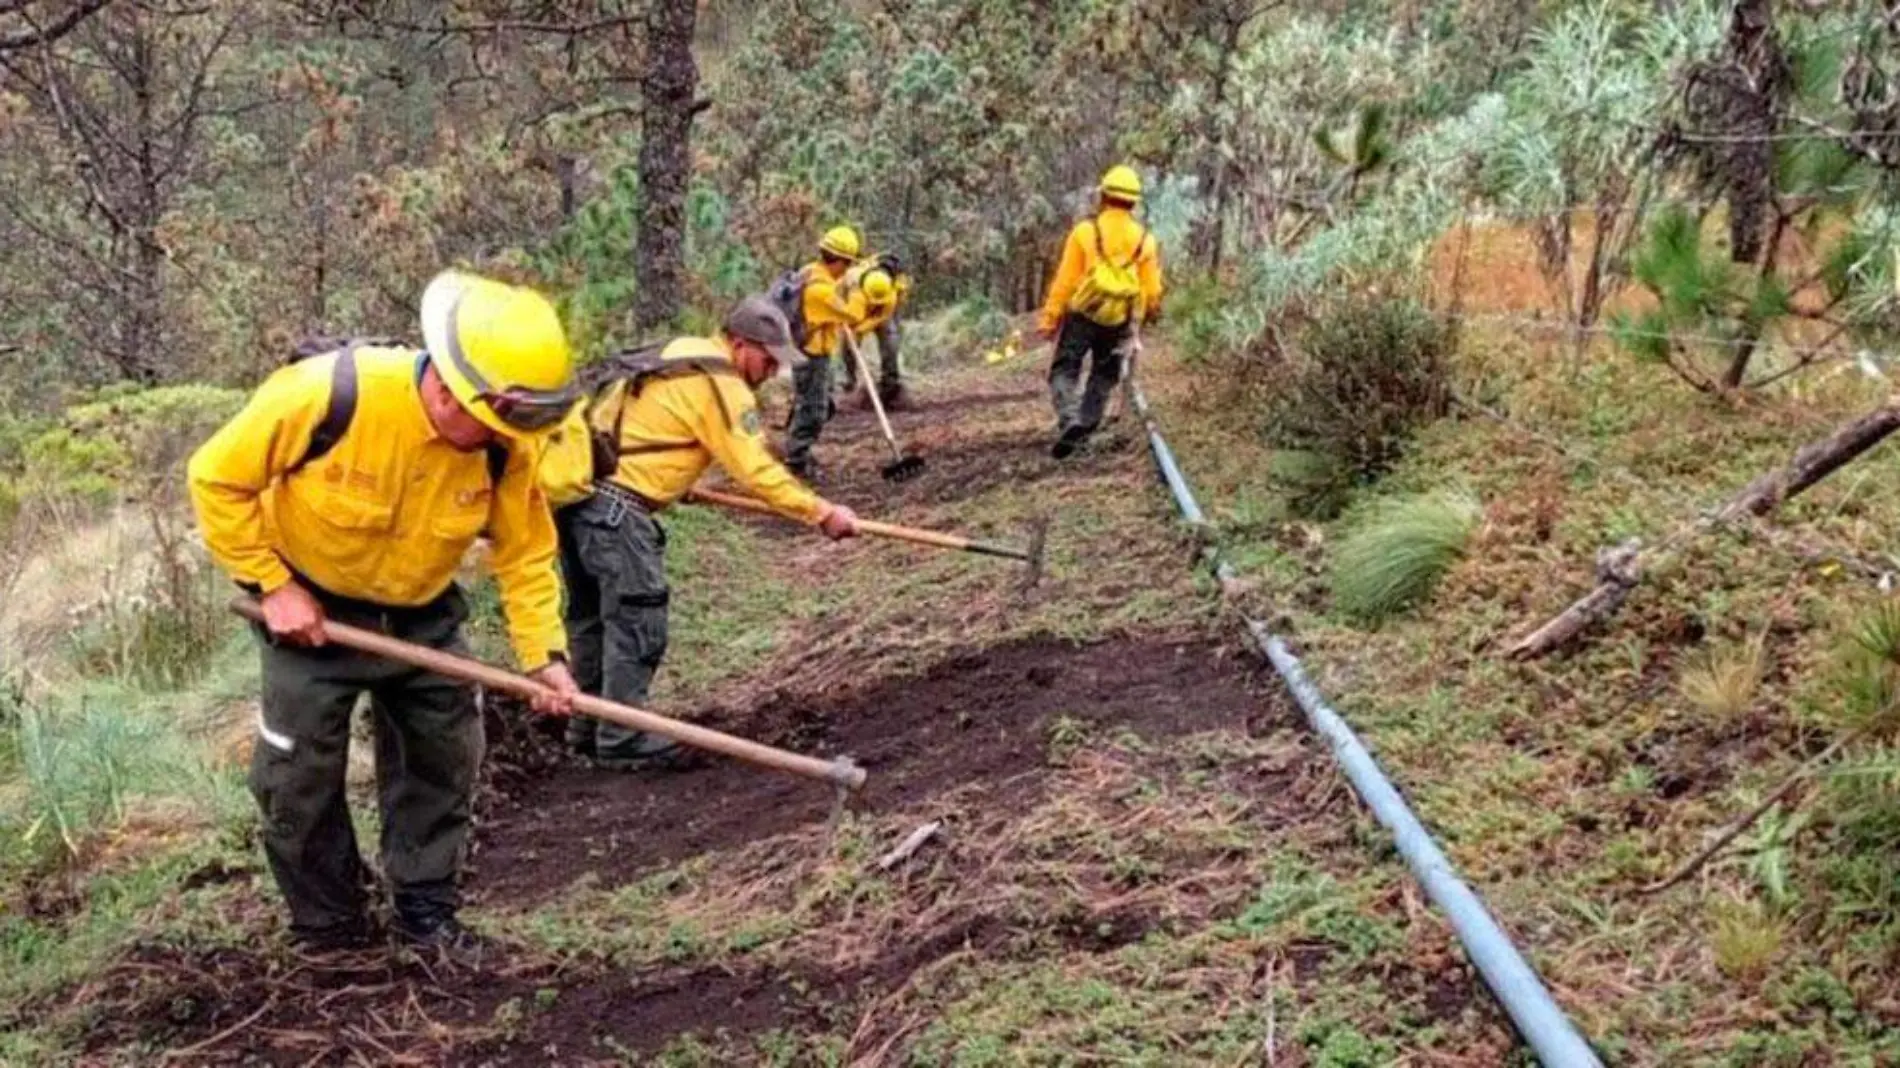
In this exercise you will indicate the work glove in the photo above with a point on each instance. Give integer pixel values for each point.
(838, 522)
(293, 616)
(561, 690)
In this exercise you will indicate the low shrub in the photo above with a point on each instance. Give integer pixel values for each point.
(1367, 373)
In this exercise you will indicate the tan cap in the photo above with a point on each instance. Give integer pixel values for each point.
(757, 319)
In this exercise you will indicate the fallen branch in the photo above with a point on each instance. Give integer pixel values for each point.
(1620, 570)
(910, 845)
(1775, 797)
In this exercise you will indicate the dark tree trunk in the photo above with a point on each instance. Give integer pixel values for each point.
(1752, 111)
(665, 160)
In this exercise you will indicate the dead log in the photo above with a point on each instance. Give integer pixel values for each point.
(1621, 569)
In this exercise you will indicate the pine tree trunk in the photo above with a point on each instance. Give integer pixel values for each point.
(665, 160)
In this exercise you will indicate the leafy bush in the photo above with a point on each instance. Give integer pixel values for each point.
(1369, 371)
(1397, 554)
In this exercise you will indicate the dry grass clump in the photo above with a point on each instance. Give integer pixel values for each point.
(1722, 682)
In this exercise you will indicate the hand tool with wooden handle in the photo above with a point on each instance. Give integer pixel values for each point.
(1031, 555)
(841, 772)
(904, 466)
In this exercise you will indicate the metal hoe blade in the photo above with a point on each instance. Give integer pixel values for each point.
(906, 467)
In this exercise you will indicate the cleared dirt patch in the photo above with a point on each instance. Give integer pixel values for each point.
(986, 716)
(232, 1006)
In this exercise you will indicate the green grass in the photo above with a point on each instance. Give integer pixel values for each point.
(1560, 786)
(1395, 555)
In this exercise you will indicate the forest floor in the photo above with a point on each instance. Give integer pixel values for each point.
(1145, 859)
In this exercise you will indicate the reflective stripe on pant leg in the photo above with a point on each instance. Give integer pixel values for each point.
(298, 778)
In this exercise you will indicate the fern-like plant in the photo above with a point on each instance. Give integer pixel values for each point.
(1394, 558)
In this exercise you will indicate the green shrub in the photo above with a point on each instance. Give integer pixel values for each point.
(1367, 374)
(1396, 555)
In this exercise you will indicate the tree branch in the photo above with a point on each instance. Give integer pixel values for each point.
(35, 35)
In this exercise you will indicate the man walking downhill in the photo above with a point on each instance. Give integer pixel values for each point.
(349, 488)
(819, 306)
(1109, 280)
(664, 417)
(885, 285)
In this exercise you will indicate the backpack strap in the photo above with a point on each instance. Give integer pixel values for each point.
(497, 455)
(711, 367)
(337, 417)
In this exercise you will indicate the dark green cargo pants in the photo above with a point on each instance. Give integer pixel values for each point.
(890, 370)
(613, 561)
(428, 741)
(1085, 343)
(811, 409)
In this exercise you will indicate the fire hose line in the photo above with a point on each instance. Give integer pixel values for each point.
(1550, 1034)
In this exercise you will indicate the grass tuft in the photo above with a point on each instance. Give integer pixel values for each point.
(1398, 552)
(1746, 940)
(1722, 682)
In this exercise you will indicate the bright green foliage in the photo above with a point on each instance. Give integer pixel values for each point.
(1397, 552)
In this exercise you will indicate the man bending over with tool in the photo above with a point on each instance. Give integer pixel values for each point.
(885, 286)
(660, 417)
(349, 487)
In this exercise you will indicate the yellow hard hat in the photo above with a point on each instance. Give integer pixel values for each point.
(840, 241)
(878, 288)
(1122, 183)
(501, 351)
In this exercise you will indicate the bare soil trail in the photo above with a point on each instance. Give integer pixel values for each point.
(1144, 857)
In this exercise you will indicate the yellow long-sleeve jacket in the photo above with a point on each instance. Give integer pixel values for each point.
(1119, 232)
(832, 306)
(679, 424)
(876, 315)
(386, 514)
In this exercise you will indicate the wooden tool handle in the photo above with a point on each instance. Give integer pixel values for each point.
(867, 526)
(870, 390)
(842, 772)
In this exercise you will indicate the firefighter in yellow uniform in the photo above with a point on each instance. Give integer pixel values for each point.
(349, 488)
(1108, 281)
(663, 417)
(885, 286)
(819, 305)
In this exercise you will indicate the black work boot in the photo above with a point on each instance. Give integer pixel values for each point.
(433, 929)
(895, 397)
(349, 936)
(670, 758)
(1071, 439)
